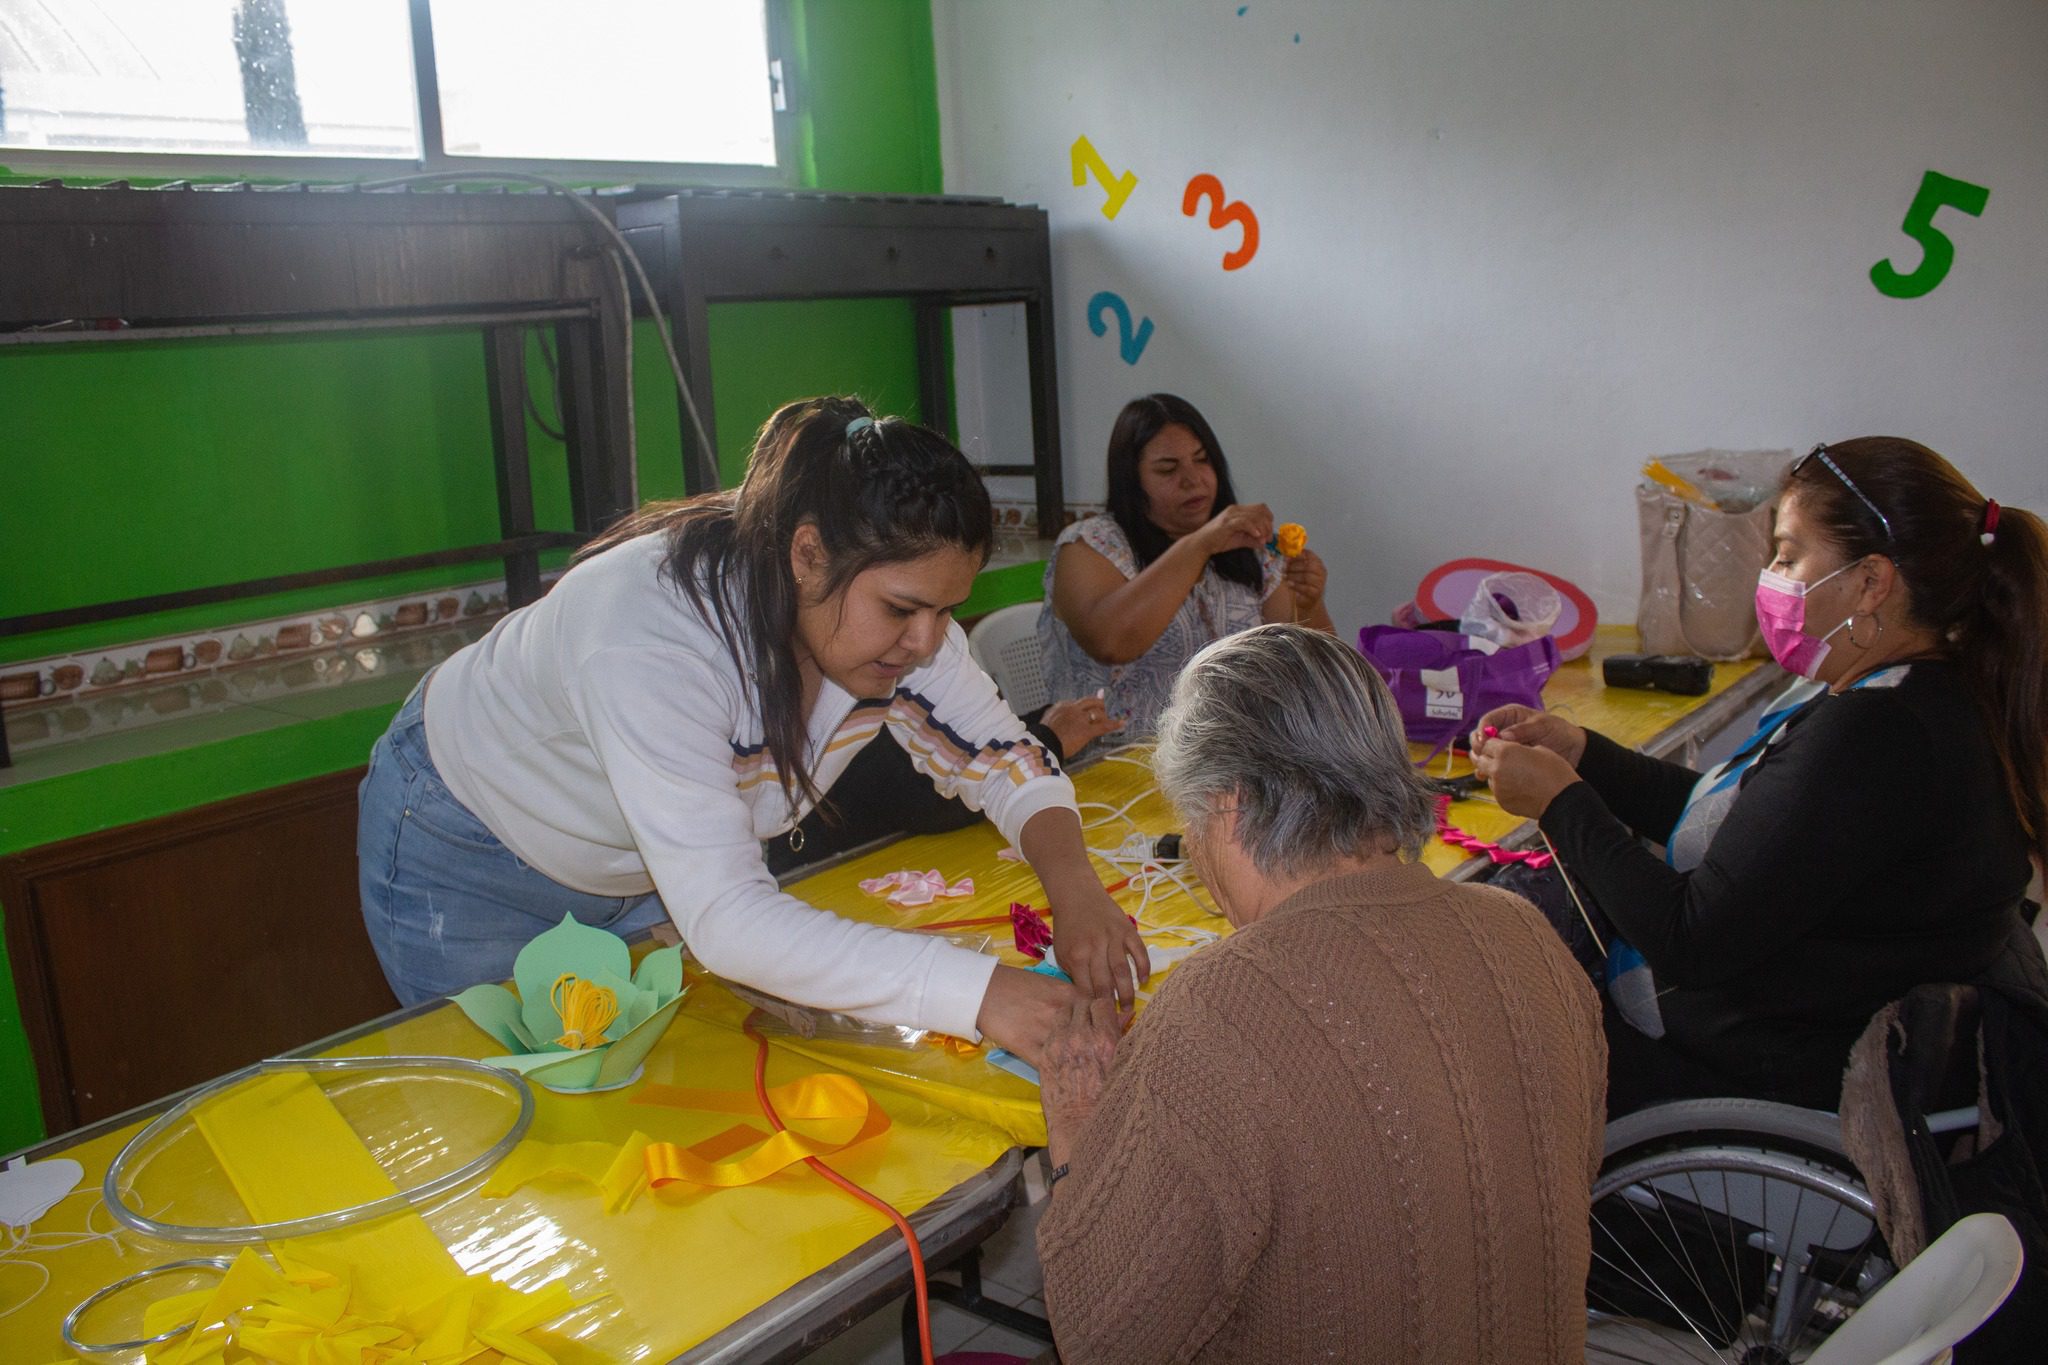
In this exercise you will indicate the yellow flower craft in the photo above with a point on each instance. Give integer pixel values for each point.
(584, 1017)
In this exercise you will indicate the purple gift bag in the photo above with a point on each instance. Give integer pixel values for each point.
(1444, 682)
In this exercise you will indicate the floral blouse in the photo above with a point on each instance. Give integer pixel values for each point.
(1136, 692)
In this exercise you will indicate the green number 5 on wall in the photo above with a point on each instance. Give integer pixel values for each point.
(1938, 253)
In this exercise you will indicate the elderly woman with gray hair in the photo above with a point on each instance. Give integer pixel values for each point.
(1362, 1127)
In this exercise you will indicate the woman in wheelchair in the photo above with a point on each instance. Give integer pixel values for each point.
(1874, 834)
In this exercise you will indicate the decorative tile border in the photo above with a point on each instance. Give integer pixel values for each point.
(76, 696)
(95, 672)
(66, 720)
(1016, 515)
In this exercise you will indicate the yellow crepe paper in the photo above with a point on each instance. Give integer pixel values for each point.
(618, 1170)
(384, 1292)
(302, 1316)
(1292, 539)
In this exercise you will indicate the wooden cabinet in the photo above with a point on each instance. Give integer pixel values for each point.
(155, 956)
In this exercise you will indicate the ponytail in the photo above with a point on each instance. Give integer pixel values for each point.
(2000, 644)
(1977, 574)
(878, 492)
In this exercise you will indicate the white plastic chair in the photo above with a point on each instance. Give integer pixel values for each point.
(1005, 644)
(1945, 1294)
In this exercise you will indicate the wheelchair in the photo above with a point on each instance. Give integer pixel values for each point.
(1727, 1230)
(1733, 1231)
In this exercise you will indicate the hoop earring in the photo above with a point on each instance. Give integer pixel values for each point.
(1880, 632)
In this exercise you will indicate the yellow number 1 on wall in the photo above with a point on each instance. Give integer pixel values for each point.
(1118, 187)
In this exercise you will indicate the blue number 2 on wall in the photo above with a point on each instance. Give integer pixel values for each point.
(1130, 344)
(1938, 253)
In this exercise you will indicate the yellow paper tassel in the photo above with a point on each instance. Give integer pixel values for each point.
(587, 1010)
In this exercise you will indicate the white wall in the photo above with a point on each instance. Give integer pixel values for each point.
(1510, 248)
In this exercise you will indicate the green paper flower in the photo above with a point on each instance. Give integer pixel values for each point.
(527, 1025)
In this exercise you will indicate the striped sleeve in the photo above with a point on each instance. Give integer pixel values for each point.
(960, 733)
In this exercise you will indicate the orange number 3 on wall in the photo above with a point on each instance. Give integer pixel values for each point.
(1221, 215)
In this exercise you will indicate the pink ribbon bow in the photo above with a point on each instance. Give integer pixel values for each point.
(1033, 934)
(917, 888)
(1472, 843)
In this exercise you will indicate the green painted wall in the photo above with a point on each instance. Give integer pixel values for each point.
(147, 469)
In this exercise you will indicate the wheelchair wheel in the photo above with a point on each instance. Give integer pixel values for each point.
(1729, 1231)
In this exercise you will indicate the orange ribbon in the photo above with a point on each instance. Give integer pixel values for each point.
(840, 1109)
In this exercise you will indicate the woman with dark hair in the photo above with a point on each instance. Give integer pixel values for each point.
(1874, 834)
(1176, 563)
(693, 685)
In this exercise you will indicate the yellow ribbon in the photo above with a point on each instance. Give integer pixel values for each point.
(841, 1109)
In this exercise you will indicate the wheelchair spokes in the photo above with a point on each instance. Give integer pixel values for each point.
(1726, 1253)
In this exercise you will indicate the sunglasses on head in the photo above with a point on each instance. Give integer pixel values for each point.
(1820, 452)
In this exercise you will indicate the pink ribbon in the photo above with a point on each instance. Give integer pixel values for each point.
(1472, 843)
(917, 888)
(1033, 934)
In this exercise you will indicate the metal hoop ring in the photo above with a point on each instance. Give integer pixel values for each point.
(69, 1330)
(1880, 632)
(510, 1084)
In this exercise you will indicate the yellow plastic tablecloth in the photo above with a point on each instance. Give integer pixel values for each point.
(666, 1273)
(673, 1272)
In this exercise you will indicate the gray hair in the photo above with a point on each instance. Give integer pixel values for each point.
(1300, 736)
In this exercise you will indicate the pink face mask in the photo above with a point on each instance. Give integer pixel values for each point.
(1781, 612)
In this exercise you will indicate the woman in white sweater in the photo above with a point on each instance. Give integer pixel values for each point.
(692, 686)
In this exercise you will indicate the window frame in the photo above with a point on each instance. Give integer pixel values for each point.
(38, 163)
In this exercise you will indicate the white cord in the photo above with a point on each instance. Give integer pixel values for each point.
(1135, 859)
(1115, 812)
(17, 1241)
(1145, 872)
(623, 253)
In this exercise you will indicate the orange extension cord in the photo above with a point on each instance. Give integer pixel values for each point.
(882, 1206)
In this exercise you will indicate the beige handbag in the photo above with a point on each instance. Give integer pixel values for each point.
(1700, 562)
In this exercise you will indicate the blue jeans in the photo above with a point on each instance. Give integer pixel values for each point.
(447, 905)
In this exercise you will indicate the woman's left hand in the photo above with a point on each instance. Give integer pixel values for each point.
(1305, 576)
(1096, 943)
(1525, 779)
(1079, 722)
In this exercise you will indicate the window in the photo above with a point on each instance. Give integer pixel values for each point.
(333, 87)
(623, 80)
(312, 77)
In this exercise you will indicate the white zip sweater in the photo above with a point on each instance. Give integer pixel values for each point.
(605, 736)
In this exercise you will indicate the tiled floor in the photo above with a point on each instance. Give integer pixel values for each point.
(1009, 1274)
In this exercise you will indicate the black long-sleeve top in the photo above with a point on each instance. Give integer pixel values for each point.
(1873, 848)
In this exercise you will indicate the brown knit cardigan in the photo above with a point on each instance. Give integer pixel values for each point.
(1362, 1128)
